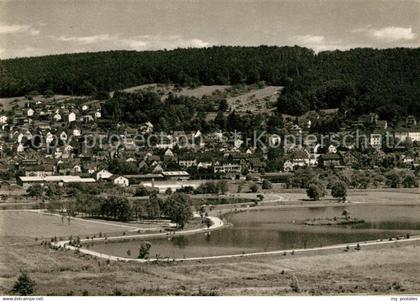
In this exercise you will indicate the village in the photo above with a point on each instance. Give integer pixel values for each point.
(61, 140)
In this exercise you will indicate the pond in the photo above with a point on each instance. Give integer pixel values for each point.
(278, 229)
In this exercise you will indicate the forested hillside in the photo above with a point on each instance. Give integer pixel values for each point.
(358, 81)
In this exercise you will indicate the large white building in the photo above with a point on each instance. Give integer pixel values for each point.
(375, 140)
(413, 135)
(32, 180)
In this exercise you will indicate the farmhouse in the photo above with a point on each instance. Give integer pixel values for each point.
(121, 181)
(103, 174)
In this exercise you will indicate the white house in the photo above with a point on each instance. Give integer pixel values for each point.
(77, 168)
(122, 181)
(63, 136)
(103, 174)
(146, 127)
(197, 134)
(30, 112)
(237, 143)
(20, 148)
(332, 149)
(288, 166)
(57, 117)
(98, 114)
(3, 119)
(85, 107)
(68, 149)
(169, 153)
(204, 165)
(375, 140)
(76, 133)
(72, 117)
(49, 138)
(58, 153)
(413, 135)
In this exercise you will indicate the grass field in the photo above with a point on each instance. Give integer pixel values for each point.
(31, 224)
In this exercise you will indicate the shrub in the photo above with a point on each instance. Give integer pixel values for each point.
(266, 184)
(24, 285)
(315, 191)
(339, 190)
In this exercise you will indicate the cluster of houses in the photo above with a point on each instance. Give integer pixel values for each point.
(50, 142)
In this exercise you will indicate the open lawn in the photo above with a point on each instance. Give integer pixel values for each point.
(42, 225)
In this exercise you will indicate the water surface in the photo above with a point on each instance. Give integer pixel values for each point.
(282, 228)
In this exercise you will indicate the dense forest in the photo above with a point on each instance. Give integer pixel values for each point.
(358, 81)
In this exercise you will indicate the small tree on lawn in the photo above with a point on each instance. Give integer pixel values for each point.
(208, 222)
(144, 250)
(315, 191)
(24, 285)
(266, 184)
(346, 214)
(253, 187)
(339, 190)
(409, 181)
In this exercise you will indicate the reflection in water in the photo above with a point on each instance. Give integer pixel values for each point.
(283, 228)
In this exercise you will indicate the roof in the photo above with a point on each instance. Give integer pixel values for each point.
(65, 179)
(144, 176)
(175, 173)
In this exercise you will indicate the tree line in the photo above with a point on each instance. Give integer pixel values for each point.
(357, 81)
(176, 207)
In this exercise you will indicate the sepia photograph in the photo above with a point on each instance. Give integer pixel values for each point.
(203, 148)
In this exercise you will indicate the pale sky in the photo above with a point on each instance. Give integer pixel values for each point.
(40, 27)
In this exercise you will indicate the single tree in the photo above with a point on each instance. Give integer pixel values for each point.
(253, 187)
(315, 191)
(208, 222)
(266, 184)
(24, 285)
(144, 250)
(339, 190)
(409, 182)
(346, 214)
